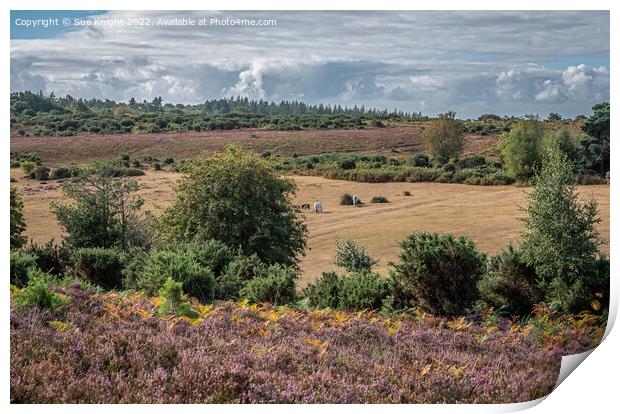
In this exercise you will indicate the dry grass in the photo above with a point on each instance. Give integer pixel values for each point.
(485, 214)
(405, 139)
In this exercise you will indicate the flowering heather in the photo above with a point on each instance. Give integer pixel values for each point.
(116, 348)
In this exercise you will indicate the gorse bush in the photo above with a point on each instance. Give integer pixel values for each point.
(277, 286)
(236, 274)
(41, 173)
(100, 266)
(28, 166)
(353, 257)
(323, 292)
(439, 273)
(356, 291)
(510, 284)
(198, 280)
(379, 199)
(51, 258)
(173, 301)
(21, 263)
(346, 199)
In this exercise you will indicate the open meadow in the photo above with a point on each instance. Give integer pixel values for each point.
(486, 214)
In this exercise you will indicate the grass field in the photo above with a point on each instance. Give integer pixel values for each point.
(485, 214)
(393, 140)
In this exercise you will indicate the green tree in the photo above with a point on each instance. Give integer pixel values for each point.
(561, 139)
(444, 137)
(18, 225)
(521, 147)
(105, 211)
(560, 239)
(352, 257)
(594, 146)
(238, 198)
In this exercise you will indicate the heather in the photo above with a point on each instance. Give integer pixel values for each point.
(119, 348)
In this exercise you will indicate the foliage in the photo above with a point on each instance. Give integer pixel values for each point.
(98, 265)
(105, 211)
(444, 136)
(439, 273)
(346, 199)
(51, 258)
(521, 149)
(173, 300)
(160, 265)
(17, 223)
(362, 290)
(21, 263)
(594, 147)
(28, 166)
(379, 199)
(510, 284)
(323, 292)
(352, 257)
(237, 198)
(560, 239)
(38, 293)
(277, 286)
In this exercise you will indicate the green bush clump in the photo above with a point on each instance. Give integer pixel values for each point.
(21, 263)
(510, 284)
(352, 257)
(323, 292)
(419, 160)
(198, 280)
(347, 164)
(238, 272)
(51, 258)
(439, 273)
(173, 300)
(41, 173)
(60, 173)
(100, 266)
(379, 199)
(28, 166)
(156, 166)
(346, 199)
(277, 286)
(356, 291)
(38, 293)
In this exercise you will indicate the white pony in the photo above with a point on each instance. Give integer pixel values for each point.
(356, 200)
(318, 207)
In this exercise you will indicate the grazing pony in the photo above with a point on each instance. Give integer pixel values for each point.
(356, 200)
(318, 207)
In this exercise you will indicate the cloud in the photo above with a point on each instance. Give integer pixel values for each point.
(471, 62)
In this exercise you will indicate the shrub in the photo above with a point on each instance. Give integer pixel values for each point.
(60, 173)
(277, 286)
(419, 160)
(471, 161)
(100, 266)
(168, 160)
(21, 263)
(41, 173)
(238, 198)
(157, 166)
(520, 149)
(359, 291)
(17, 222)
(197, 280)
(407, 193)
(51, 258)
(590, 179)
(352, 257)
(28, 166)
(323, 292)
(439, 273)
(173, 300)
(346, 199)
(379, 199)
(347, 164)
(38, 293)
(509, 283)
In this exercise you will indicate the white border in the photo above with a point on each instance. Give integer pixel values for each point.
(591, 388)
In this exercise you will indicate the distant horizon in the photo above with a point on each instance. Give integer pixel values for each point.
(509, 63)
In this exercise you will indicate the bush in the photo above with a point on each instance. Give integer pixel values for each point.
(591, 179)
(359, 291)
(198, 280)
(17, 223)
(444, 136)
(347, 164)
(439, 273)
(100, 266)
(60, 173)
(28, 166)
(173, 301)
(352, 257)
(277, 286)
(236, 197)
(21, 263)
(510, 284)
(168, 160)
(323, 292)
(419, 160)
(346, 199)
(407, 193)
(521, 149)
(51, 258)
(379, 199)
(38, 293)
(157, 166)
(41, 173)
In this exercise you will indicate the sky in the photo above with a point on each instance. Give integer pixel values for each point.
(471, 62)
